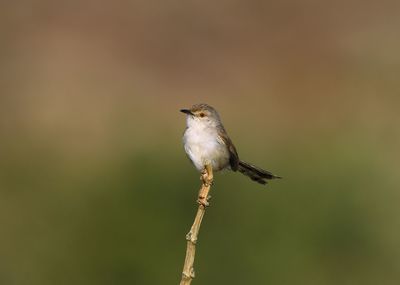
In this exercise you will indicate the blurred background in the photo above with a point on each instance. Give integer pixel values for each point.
(95, 187)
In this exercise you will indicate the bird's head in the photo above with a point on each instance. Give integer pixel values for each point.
(202, 114)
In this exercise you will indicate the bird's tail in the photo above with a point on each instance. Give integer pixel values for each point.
(256, 174)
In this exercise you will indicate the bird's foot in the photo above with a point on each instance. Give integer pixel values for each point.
(207, 178)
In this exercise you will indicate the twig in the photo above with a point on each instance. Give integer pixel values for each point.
(191, 237)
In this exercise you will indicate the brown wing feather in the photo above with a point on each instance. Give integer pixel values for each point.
(233, 155)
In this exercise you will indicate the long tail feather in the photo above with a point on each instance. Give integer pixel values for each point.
(255, 173)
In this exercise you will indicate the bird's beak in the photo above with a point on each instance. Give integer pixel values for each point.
(186, 111)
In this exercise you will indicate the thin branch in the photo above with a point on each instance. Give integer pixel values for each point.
(191, 237)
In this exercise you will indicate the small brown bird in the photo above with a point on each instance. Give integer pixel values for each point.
(209, 147)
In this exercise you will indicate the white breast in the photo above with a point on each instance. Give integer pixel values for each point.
(204, 147)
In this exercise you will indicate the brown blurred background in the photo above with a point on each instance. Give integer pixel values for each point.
(95, 187)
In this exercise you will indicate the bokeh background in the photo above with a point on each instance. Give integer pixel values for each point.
(95, 187)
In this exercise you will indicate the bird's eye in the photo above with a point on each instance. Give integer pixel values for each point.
(201, 115)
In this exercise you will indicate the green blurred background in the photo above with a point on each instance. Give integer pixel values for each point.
(95, 187)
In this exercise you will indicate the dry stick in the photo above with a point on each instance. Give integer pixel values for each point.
(191, 237)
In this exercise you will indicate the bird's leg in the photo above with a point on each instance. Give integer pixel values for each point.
(207, 179)
(210, 177)
(203, 175)
(207, 176)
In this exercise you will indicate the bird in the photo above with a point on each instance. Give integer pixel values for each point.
(209, 147)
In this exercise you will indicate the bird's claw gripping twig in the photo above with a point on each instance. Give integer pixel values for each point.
(207, 177)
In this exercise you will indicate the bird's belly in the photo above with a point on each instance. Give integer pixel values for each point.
(204, 150)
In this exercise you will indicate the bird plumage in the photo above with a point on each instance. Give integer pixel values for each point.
(207, 142)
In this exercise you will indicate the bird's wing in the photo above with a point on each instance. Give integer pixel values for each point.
(233, 155)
